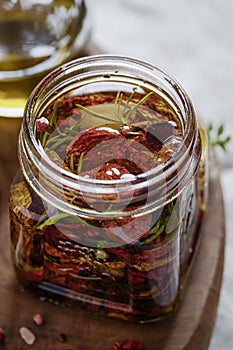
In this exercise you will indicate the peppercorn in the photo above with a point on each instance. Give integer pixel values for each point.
(62, 338)
(38, 319)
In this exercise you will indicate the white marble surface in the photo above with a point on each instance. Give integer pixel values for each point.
(191, 40)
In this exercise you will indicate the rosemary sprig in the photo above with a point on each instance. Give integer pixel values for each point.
(80, 163)
(60, 141)
(66, 136)
(73, 200)
(218, 139)
(44, 138)
(119, 102)
(140, 103)
(72, 162)
(53, 121)
(124, 108)
(94, 114)
(57, 217)
(155, 232)
(53, 220)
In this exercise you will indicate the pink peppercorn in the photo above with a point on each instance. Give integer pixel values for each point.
(38, 319)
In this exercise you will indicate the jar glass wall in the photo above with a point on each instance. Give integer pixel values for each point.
(107, 206)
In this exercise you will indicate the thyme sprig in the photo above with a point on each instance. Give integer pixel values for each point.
(219, 139)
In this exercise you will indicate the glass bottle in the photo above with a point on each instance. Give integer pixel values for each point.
(106, 209)
(35, 37)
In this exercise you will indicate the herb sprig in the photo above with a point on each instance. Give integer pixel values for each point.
(124, 108)
(219, 139)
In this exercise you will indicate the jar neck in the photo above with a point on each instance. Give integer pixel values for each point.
(144, 193)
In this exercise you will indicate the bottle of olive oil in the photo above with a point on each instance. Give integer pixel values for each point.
(35, 37)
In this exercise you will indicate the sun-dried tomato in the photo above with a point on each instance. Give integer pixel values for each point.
(127, 230)
(128, 344)
(88, 140)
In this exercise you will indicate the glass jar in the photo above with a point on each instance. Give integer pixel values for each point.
(107, 207)
(35, 37)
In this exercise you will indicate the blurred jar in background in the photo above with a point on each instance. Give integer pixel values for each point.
(35, 37)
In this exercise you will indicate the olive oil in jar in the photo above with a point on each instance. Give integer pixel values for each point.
(107, 207)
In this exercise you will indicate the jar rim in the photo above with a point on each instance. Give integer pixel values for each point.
(150, 177)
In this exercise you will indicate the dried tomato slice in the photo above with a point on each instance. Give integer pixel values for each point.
(88, 140)
(128, 344)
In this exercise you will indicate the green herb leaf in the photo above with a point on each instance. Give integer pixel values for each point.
(72, 162)
(94, 114)
(124, 109)
(52, 220)
(58, 217)
(53, 121)
(80, 163)
(218, 139)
